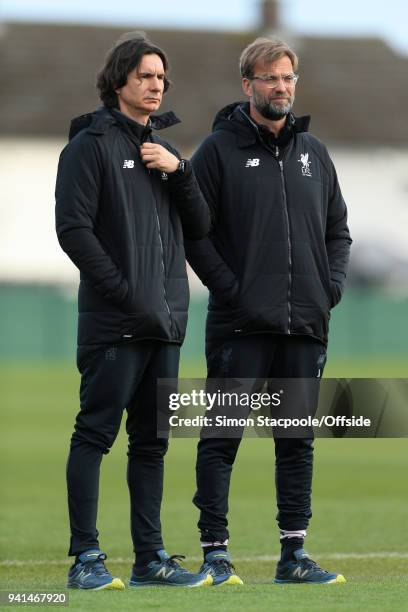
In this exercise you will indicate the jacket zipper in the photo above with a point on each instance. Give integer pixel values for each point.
(164, 270)
(285, 208)
(162, 260)
(161, 249)
(162, 263)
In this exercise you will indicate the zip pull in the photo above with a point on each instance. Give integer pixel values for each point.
(276, 151)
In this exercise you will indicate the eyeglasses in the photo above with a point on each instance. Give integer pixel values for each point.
(271, 81)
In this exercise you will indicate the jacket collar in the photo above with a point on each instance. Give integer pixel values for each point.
(141, 132)
(103, 118)
(155, 122)
(236, 117)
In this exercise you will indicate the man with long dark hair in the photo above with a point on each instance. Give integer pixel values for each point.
(124, 202)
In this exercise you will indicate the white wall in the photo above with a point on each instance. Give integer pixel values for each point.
(374, 184)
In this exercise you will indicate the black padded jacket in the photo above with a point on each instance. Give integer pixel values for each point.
(123, 226)
(277, 256)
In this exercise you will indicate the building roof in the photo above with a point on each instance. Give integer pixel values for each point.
(355, 89)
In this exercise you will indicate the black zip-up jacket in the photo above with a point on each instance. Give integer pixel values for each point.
(122, 226)
(277, 256)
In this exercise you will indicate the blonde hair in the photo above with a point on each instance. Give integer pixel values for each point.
(267, 49)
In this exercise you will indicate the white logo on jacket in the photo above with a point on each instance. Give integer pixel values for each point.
(128, 163)
(251, 163)
(304, 160)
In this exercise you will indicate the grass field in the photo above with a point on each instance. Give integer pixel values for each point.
(359, 508)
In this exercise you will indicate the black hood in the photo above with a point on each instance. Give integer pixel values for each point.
(236, 118)
(103, 118)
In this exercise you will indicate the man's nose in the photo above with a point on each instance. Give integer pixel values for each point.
(280, 86)
(156, 84)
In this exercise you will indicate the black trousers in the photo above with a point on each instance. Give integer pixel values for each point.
(115, 378)
(259, 356)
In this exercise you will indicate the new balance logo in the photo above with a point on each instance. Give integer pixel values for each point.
(128, 163)
(83, 574)
(304, 160)
(163, 573)
(299, 573)
(251, 163)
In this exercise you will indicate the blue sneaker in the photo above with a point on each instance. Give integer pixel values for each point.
(302, 570)
(90, 573)
(217, 564)
(167, 572)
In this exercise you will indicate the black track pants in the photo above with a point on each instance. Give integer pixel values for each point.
(115, 378)
(259, 356)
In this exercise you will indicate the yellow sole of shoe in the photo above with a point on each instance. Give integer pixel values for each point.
(232, 581)
(116, 584)
(206, 582)
(338, 580)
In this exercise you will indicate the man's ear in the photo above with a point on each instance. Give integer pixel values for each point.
(247, 87)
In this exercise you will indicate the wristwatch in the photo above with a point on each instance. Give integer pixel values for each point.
(181, 167)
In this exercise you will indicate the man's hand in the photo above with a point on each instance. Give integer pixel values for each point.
(156, 156)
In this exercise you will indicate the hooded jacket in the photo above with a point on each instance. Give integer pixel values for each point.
(277, 256)
(123, 225)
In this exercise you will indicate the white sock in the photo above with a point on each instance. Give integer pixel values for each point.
(299, 533)
(207, 544)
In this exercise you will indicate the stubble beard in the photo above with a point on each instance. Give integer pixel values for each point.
(269, 110)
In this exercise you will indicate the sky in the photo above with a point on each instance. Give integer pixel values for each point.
(388, 20)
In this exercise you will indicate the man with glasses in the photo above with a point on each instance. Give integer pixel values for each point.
(275, 264)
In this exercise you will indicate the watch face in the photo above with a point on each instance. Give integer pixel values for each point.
(182, 166)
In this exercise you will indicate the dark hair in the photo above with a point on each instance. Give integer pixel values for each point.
(122, 59)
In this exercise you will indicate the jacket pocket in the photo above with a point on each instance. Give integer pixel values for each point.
(233, 297)
(335, 294)
(229, 297)
(144, 297)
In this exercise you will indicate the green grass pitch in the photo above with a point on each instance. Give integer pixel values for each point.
(358, 526)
